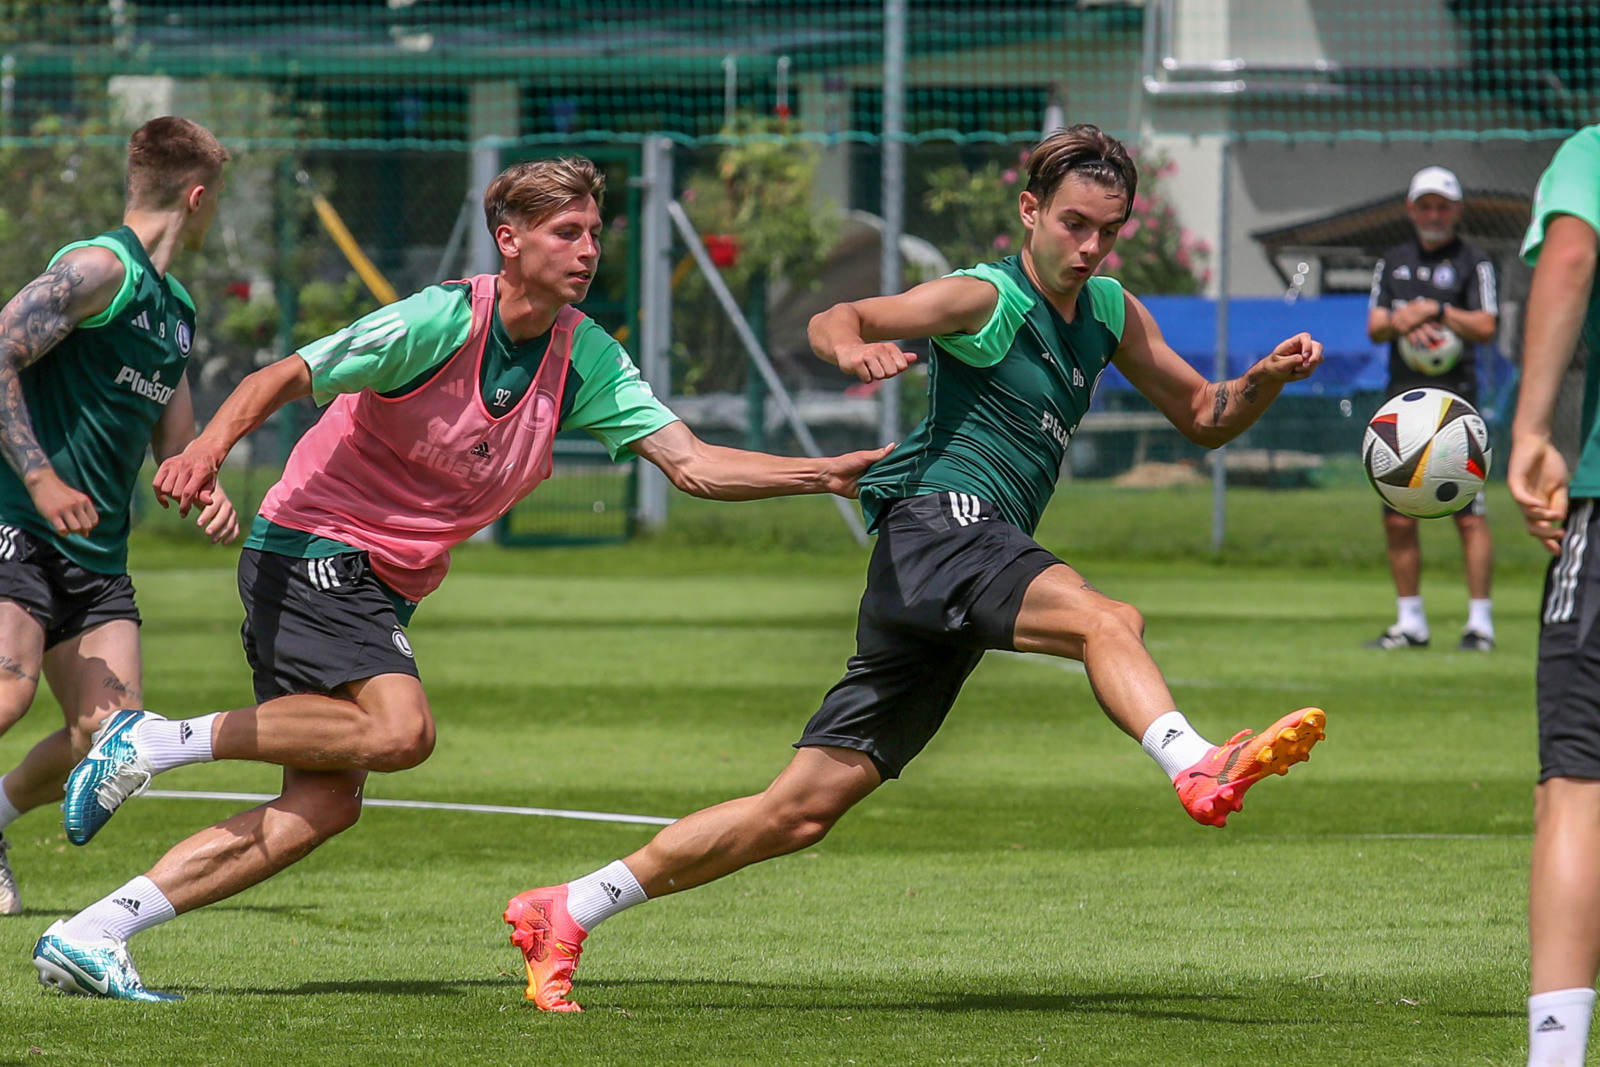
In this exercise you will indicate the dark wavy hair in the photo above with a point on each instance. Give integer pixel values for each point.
(1088, 152)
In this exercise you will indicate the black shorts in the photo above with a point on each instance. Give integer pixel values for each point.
(1569, 653)
(311, 625)
(63, 598)
(945, 583)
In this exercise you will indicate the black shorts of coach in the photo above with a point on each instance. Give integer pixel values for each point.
(945, 584)
(312, 625)
(63, 598)
(1569, 652)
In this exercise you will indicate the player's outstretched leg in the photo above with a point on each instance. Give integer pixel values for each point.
(1214, 787)
(796, 811)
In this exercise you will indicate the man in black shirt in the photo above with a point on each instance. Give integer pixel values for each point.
(1431, 296)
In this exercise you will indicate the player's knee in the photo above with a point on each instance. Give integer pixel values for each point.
(333, 813)
(404, 744)
(801, 825)
(803, 831)
(1115, 617)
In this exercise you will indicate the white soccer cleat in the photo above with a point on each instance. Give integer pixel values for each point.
(10, 898)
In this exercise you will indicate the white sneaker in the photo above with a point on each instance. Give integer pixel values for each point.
(10, 899)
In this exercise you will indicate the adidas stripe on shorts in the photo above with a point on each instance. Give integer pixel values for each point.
(1569, 652)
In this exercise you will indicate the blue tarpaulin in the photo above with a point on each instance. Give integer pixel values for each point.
(1353, 364)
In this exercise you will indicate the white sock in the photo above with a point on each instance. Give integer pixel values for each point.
(1558, 1027)
(596, 897)
(1174, 744)
(8, 811)
(137, 906)
(1479, 616)
(1413, 620)
(170, 743)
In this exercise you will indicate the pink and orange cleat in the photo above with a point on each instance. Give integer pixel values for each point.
(1214, 788)
(551, 942)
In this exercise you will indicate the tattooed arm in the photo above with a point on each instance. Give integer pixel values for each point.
(80, 284)
(1208, 413)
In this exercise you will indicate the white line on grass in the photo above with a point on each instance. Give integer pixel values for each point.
(431, 805)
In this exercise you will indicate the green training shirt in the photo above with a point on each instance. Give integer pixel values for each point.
(1003, 403)
(1571, 186)
(398, 348)
(95, 400)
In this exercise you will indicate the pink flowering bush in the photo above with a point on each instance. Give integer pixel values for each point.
(1155, 253)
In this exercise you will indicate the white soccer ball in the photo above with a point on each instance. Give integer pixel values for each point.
(1427, 453)
(1437, 359)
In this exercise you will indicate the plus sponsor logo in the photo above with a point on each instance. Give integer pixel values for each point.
(149, 388)
(1054, 428)
(474, 467)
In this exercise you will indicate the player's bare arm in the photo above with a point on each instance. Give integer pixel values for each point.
(80, 284)
(172, 435)
(1208, 413)
(858, 337)
(192, 474)
(1557, 302)
(718, 473)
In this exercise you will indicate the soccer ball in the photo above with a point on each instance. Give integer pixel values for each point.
(1435, 360)
(1426, 453)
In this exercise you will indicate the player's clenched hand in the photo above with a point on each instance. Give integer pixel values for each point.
(66, 509)
(841, 472)
(1537, 478)
(187, 477)
(875, 361)
(218, 519)
(1293, 359)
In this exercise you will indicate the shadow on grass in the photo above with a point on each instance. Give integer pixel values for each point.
(396, 987)
(767, 996)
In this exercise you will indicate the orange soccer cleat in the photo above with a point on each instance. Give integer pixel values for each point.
(1214, 788)
(551, 942)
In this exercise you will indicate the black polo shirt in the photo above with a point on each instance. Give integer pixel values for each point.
(1458, 274)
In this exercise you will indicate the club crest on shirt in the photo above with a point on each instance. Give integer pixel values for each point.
(1444, 276)
(185, 337)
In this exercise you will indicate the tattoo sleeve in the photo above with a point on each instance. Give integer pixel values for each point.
(34, 322)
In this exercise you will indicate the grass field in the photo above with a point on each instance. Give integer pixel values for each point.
(1030, 892)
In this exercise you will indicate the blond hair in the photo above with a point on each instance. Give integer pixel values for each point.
(532, 191)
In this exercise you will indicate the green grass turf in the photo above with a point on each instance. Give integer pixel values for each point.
(1030, 892)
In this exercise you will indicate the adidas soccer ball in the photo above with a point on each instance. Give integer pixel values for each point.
(1443, 355)
(1426, 453)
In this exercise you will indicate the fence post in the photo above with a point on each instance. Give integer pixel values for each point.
(1219, 468)
(894, 189)
(755, 388)
(655, 306)
(285, 189)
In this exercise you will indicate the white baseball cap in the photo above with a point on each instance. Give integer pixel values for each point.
(1434, 180)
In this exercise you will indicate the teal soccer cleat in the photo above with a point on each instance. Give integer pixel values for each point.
(112, 772)
(90, 968)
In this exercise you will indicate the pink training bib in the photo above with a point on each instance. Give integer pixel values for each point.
(407, 479)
